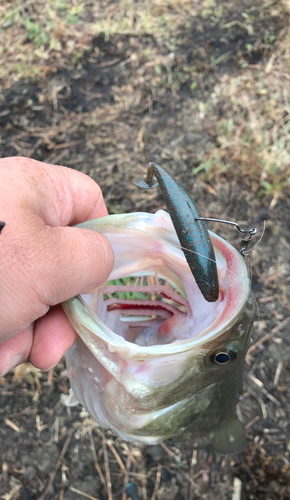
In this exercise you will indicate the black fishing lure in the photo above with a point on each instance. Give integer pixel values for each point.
(192, 234)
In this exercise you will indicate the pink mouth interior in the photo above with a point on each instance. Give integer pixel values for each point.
(146, 309)
(149, 285)
(156, 308)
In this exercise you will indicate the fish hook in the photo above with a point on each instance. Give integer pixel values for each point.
(248, 233)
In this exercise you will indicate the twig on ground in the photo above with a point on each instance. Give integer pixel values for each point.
(268, 336)
(168, 451)
(94, 453)
(191, 471)
(157, 482)
(57, 465)
(10, 495)
(278, 373)
(83, 494)
(12, 425)
(189, 479)
(107, 468)
(256, 380)
(61, 495)
(269, 396)
(262, 404)
(237, 489)
(50, 376)
(26, 412)
(116, 455)
(252, 422)
(126, 477)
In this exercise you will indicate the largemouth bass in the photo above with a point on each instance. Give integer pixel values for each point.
(168, 361)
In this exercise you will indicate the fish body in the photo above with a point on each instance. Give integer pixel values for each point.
(192, 234)
(151, 368)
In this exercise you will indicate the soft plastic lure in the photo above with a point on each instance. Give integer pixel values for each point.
(192, 233)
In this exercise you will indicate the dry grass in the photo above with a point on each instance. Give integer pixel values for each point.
(40, 36)
(252, 139)
(254, 133)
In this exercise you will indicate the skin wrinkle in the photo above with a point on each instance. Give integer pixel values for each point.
(61, 212)
(43, 261)
(65, 198)
(58, 213)
(17, 259)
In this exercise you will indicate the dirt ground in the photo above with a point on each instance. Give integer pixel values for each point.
(189, 102)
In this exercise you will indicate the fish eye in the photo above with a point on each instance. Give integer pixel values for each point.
(223, 357)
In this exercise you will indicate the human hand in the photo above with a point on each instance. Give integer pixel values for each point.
(43, 262)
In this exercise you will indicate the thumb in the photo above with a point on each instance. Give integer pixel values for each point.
(79, 260)
(43, 266)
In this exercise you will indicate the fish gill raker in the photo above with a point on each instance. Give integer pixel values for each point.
(192, 234)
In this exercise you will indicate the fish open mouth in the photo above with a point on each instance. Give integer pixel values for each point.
(156, 305)
(152, 299)
(147, 304)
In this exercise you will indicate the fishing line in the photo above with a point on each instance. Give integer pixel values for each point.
(251, 269)
(255, 300)
(251, 277)
(263, 232)
(56, 194)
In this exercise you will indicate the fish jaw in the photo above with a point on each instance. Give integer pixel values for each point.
(149, 392)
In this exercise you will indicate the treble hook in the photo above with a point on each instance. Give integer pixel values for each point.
(244, 241)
